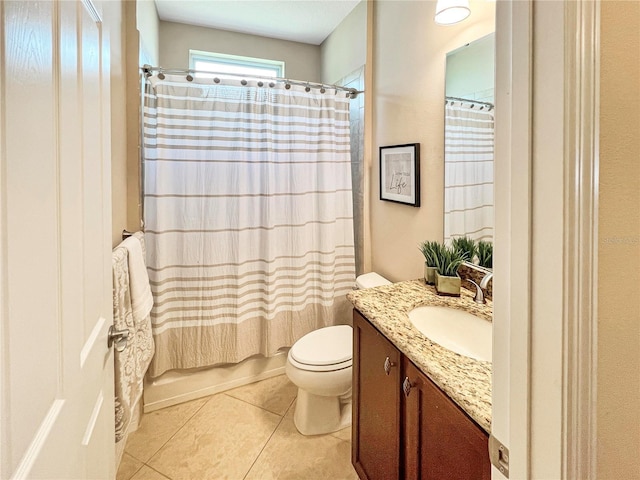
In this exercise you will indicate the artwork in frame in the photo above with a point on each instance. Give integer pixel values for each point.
(400, 174)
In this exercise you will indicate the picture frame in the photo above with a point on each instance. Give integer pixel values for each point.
(400, 174)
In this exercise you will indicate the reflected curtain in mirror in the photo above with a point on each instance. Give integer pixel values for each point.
(469, 130)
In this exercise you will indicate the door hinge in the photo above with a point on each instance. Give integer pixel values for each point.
(499, 455)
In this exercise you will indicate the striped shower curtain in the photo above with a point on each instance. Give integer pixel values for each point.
(468, 185)
(248, 217)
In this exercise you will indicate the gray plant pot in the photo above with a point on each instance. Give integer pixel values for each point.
(448, 285)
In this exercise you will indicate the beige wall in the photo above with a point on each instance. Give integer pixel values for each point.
(345, 50)
(618, 394)
(302, 61)
(409, 54)
(128, 51)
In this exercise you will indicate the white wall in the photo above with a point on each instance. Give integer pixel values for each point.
(409, 55)
(302, 61)
(148, 25)
(471, 70)
(345, 49)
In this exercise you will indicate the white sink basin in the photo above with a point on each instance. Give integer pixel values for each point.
(455, 330)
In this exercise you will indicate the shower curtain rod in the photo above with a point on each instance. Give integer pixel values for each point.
(148, 71)
(459, 99)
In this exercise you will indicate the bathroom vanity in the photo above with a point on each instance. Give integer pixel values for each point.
(420, 411)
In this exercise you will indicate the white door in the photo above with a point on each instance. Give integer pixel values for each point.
(55, 251)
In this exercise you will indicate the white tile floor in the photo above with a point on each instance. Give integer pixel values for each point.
(245, 433)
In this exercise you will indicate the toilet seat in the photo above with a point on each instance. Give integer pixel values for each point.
(324, 350)
(320, 368)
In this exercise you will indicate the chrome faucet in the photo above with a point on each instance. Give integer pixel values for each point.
(479, 296)
(485, 280)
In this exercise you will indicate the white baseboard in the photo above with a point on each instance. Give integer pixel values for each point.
(173, 388)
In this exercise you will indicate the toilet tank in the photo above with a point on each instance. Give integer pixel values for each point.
(370, 280)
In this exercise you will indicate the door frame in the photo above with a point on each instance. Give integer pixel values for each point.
(580, 315)
(512, 266)
(4, 315)
(545, 332)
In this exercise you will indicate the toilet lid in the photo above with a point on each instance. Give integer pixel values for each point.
(326, 346)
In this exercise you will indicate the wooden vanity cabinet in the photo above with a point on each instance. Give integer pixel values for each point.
(422, 435)
(376, 403)
(439, 439)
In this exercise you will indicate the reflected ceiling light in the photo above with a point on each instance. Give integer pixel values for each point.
(449, 12)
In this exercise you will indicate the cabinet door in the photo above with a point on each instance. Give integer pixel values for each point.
(441, 441)
(376, 403)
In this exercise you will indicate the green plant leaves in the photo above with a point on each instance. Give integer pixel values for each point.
(448, 262)
(463, 249)
(465, 246)
(485, 254)
(430, 250)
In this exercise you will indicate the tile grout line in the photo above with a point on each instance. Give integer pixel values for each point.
(159, 472)
(134, 473)
(269, 439)
(258, 406)
(338, 438)
(171, 437)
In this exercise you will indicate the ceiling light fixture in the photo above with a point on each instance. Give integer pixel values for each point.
(449, 12)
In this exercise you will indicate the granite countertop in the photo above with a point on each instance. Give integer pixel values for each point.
(465, 380)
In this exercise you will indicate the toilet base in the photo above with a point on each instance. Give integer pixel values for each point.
(316, 415)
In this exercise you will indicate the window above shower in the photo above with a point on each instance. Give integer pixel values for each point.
(220, 64)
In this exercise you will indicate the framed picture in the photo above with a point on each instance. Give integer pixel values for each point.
(400, 174)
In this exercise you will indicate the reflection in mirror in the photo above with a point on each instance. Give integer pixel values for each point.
(469, 123)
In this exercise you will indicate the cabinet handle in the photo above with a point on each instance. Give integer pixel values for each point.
(406, 386)
(387, 365)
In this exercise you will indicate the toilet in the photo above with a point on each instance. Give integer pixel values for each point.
(320, 365)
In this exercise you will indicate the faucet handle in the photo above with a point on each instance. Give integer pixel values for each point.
(484, 283)
(479, 296)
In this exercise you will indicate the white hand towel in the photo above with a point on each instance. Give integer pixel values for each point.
(141, 298)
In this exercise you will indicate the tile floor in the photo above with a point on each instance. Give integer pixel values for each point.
(245, 433)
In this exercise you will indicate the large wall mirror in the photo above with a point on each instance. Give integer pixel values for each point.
(469, 133)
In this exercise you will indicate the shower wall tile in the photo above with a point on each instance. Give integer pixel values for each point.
(356, 112)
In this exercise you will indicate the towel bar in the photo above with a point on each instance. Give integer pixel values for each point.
(126, 234)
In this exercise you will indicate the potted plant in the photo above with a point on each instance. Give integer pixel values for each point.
(430, 250)
(465, 246)
(485, 254)
(447, 279)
